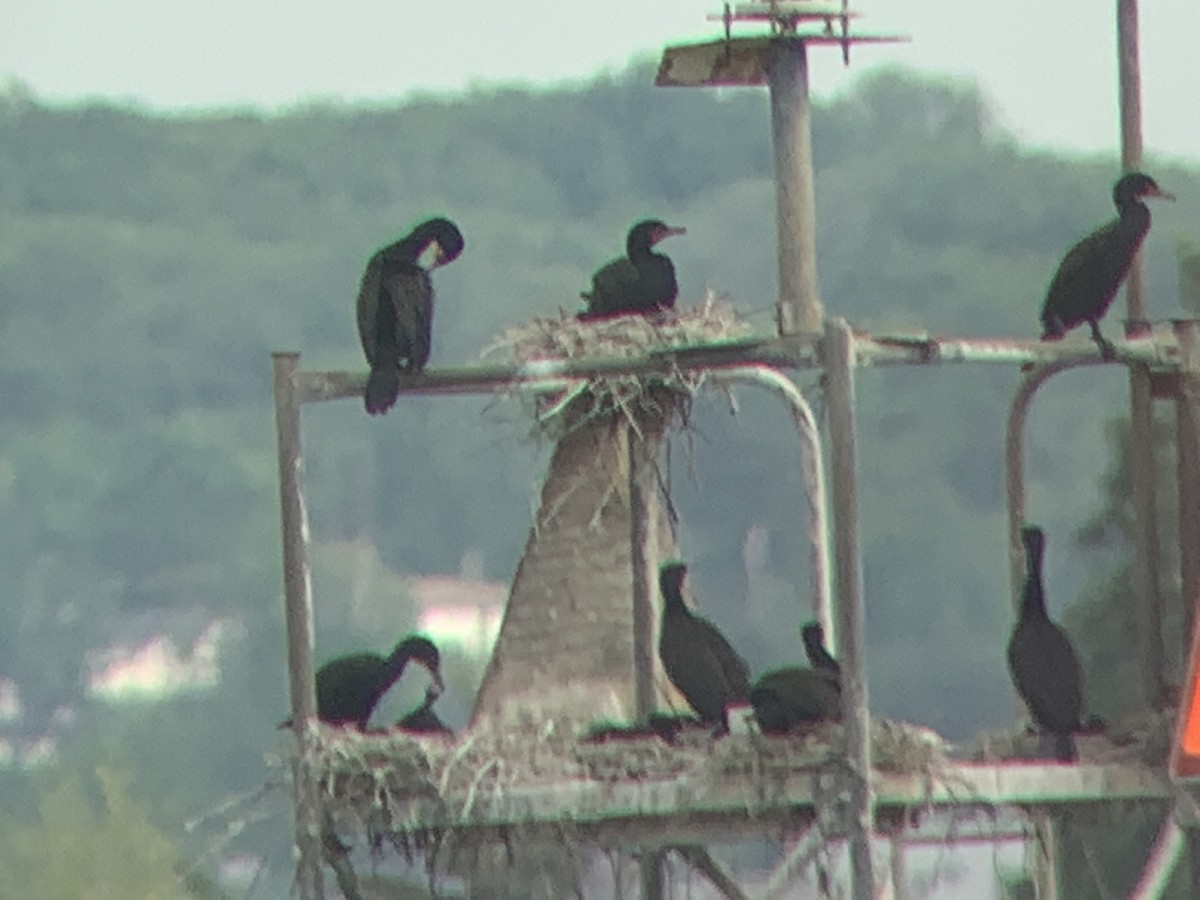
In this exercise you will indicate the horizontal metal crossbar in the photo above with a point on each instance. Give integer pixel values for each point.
(1159, 350)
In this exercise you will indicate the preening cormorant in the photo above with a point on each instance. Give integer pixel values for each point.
(395, 308)
(423, 720)
(642, 281)
(349, 687)
(695, 655)
(1090, 274)
(784, 698)
(1041, 659)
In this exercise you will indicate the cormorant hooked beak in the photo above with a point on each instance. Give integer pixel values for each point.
(668, 231)
(432, 256)
(1161, 194)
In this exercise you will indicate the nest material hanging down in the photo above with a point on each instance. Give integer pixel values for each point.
(632, 337)
(421, 791)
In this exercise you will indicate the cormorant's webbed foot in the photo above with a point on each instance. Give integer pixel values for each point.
(1107, 350)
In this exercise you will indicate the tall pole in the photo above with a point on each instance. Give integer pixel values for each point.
(1147, 557)
(641, 486)
(297, 599)
(795, 204)
(1187, 443)
(838, 353)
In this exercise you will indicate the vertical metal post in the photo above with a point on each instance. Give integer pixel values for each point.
(899, 867)
(653, 885)
(1130, 88)
(1187, 444)
(838, 358)
(1045, 850)
(297, 598)
(1161, 863)
(641, 487)
(1147, 558)
(795, 205)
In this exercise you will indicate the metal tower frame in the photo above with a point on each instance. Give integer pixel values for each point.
(1162, 363)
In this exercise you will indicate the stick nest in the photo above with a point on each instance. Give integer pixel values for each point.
(418, 791)
(632, 337)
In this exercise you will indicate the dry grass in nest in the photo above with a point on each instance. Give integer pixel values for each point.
(1138, 738)
(394, 782)
(632, 337)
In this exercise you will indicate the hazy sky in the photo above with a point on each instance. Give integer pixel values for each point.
(1050, 66)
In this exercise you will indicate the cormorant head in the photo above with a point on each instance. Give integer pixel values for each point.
(445, 238)
(670, 579)
(647, 233)
(813, 635)
(419, 649)
(1137, 184)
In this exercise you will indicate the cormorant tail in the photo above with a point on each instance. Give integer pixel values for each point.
(1064, 747)
(383, 386)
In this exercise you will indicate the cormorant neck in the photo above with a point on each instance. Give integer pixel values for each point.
(411, 247)
(1131, 205)
(821, 658)
(673, 598)
(640, 250)
(1033, 598)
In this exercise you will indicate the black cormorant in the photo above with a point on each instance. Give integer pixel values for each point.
(1090, 274)
(1041, 659)
(784, 698)
(349, 687)
(395, 308)
(423, 720)
(695, 655)
(642, 281)
(819, 657)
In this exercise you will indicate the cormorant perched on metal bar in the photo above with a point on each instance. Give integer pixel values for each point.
(423, 720)
(1090, 274)
(395, 308)
(784, 698)
(349, 687)
(1041, 659)
(642, 281)
(697, 658)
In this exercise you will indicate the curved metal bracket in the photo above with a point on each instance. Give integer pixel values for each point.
(777, 382)
(1014, 463)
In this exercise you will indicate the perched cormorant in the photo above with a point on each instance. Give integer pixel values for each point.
(1090, 274)
(1044, 668)
(695, 655)
(819, 657)
(784, 698)
(642, 281)
(423, 720)
(349, 687)
(395, 308)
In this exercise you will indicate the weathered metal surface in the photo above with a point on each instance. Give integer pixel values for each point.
(839, 358)
(297, 598)
(799, 305)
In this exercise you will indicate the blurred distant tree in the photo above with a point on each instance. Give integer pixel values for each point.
(88, 840)
(1189, 275)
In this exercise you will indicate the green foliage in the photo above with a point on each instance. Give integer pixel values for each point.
(88, 840)
(148, 265)
(1189, 275)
